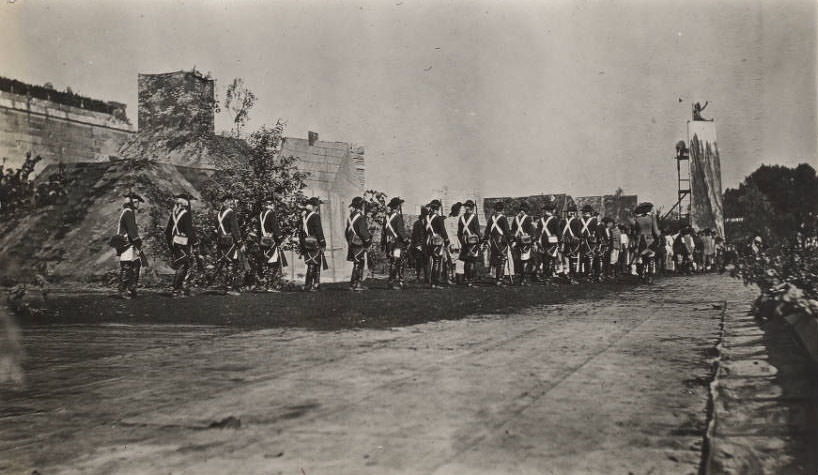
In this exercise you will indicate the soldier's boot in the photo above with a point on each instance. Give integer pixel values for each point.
(393, 273)
(498, 274)
(124, 273)
(133, 280)
(308, 278)
(316, 278)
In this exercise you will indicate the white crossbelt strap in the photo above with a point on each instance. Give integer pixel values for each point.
(568, 228)
(176, 219)
(466, 223)
(223, 215)
(263, 219)
(307, 220)
(429, 226)
(389, 224)
(351, 223)
(519, 222)
(494, 220)
(585, 225)
(545, 225)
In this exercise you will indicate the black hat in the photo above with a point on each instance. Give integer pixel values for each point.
(455, 209)
(268, 199)
(498, 206)
(572, 207)
(314, 201)
(184, 196)
(523, 206)
(607, 219)
(227, 196)
(435, 204)
(357, 202)
(587, 209)
(549, 206)
(469, 203)
(395, 202)
(134, 197)
(643, 208)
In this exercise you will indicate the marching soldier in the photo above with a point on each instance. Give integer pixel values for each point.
(604, 241)
(498, 234)
(468, 233)
(130, 248)
(230, 247)
(394, 241)
(271, 239)
(358, 240)
(590, 247)
(436, 241)
(571, 241)
(454, 268)
(548, 233)
(419, 245)
(181, 238)
(311, 239)
(522, 228)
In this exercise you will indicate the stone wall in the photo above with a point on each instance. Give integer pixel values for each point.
(57, 131)
(337, 174)
(178, 102)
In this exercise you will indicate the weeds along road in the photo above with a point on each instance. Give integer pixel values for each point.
(609, 380)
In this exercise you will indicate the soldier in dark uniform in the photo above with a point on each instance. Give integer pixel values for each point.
(311, 239)
(436, 241)
(590, 245)
(130, 251)
(468, 233)
(604, 238)
(271, 239)
(522, 228)
(548, 239)
(571, 241)
(419, 245)
(394, 241)
(498, 235)
(358, 241)
(230, 247)
(181, 238)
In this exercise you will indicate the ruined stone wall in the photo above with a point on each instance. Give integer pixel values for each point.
(57, 132)
(178, 102)
(337, 174)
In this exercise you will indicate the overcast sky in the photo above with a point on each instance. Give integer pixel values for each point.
(508, 98)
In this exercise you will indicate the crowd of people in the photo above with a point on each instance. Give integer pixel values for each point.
(519, 248)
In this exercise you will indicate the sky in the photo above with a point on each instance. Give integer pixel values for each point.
(500, 98)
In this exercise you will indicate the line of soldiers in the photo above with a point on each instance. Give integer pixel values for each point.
(552, 248)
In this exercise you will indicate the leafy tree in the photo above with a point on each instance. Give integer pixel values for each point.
(264, 174)
(776, 202)
(238, 99)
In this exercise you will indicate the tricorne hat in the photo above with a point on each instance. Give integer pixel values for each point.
(395, 202)
(357, 202)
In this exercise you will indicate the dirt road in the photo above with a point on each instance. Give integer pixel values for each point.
(614, 384)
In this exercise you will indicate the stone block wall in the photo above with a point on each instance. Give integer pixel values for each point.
(57, 131)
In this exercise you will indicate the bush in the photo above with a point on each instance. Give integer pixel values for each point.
(786, 275)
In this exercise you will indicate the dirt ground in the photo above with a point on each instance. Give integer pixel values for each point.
(612, 379)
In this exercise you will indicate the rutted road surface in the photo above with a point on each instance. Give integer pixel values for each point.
(614, 385)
